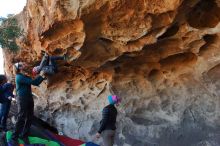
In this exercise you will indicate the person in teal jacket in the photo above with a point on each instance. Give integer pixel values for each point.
(25, 102)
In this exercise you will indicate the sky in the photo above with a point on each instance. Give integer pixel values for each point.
(9, 7)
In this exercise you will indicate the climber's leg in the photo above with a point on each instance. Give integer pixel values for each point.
(108, 137)
(54, 58)
(52, 61)
(44, 62)
(49, 70)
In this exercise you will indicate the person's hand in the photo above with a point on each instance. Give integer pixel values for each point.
(14, 100)
(42, 73)
(98, 135)
(10, 98)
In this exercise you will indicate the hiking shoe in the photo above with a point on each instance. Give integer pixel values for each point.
(2, 135)
(13, 142)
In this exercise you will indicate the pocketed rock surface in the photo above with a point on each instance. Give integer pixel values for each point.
(161, 57)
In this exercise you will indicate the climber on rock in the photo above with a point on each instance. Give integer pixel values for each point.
(108, 122)
(25, 102)
(48, 64)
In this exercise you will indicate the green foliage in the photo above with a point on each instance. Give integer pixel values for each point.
(9, 31)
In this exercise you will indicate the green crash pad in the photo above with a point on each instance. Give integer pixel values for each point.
(33, 140)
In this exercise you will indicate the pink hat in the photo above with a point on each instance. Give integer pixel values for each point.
(113, 99)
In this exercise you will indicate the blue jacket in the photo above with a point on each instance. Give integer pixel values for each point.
(23, 84)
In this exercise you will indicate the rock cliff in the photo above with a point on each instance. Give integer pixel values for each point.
(161, 57)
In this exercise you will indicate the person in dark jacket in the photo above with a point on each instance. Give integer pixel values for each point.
(25, 102)
(5, 106)
(108, 122)
(3, 80)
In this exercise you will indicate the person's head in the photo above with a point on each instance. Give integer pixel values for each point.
(3, 79)
(113, 99)
(20, 67)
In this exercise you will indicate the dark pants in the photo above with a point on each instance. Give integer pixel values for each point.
(108, 137)
(25, 117)
(5, 108)
(48, 64)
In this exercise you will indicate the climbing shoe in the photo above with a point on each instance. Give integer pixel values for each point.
(70, 58)
(44, 53)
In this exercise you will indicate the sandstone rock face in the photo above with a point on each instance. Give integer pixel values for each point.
(161, 57)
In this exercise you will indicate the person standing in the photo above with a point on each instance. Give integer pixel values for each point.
(25, 102)
(108, 122)
(5, 106)
(3, 80)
